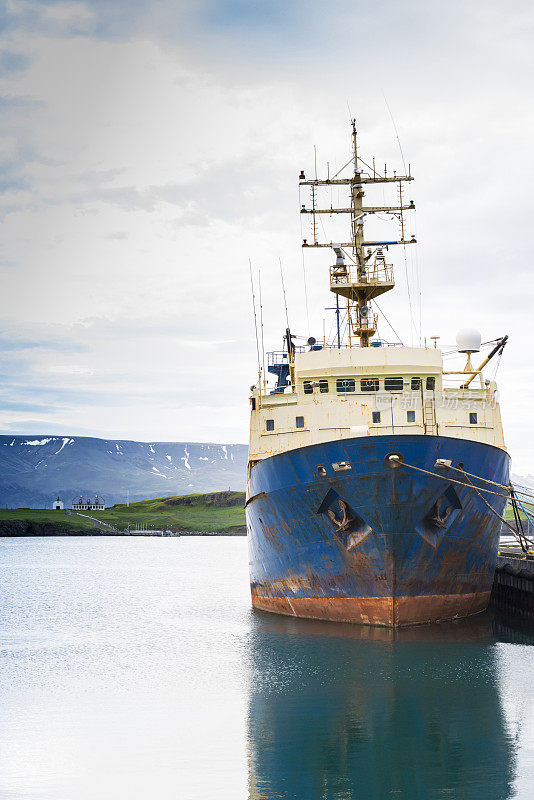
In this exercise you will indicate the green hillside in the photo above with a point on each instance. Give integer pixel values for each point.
(217, 512)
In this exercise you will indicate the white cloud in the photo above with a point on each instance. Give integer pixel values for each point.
(145, 170)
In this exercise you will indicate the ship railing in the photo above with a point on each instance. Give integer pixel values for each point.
(456, 381)
(281, 356)
(374, 274)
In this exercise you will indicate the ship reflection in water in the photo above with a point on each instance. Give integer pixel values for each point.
(341, 711)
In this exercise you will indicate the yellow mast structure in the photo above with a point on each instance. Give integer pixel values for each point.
(369, 275)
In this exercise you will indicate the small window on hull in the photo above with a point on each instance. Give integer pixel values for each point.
(410, 416)
(299, 421)
(369, 384)
(376, 416)
(323, 387)
(430, 383)
(473, 418)
(269, 425)
(308, 388)
(253, 404)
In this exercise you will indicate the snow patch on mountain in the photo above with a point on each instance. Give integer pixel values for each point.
(35, 469)
(185, 458)
(66, 441)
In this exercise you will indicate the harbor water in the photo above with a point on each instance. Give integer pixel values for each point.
(135, 668)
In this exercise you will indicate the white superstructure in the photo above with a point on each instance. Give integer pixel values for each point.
(342, 393)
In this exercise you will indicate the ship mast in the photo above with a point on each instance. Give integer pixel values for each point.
(368, 276)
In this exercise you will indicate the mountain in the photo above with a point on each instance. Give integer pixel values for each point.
(527, 481)
(35, 469)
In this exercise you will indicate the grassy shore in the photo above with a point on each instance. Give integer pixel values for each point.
(509, 514)
(217, 512)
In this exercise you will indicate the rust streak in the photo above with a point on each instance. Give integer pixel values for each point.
(386, 611)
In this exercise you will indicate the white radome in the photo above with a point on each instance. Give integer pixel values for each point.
(468, 340)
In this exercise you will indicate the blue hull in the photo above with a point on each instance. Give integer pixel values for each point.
(374, 544)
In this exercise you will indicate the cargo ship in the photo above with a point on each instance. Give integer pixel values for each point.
(377, 476)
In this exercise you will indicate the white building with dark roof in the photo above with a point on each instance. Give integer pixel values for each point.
(88, 504)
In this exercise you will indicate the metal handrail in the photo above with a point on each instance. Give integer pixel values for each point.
(281, 356)
(374, 275)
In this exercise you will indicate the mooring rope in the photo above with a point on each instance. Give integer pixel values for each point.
(478, 491)
(452, 480)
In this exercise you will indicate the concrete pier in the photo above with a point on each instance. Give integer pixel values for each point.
(513, 586)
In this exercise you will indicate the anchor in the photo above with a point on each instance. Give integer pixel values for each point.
(346, 520)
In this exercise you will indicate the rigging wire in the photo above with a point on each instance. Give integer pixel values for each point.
(396, 132)
(283, 290)
(405, 256)
(304, 271)
(261, 327)
(412, 324)
(497, 365)
(350, 161)
(389, 323)
(305, 291)
(419, 283)
(255, 318)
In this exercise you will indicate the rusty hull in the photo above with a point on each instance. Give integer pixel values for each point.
(373, 545)
(386, 611)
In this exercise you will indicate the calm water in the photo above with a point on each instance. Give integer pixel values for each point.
(134, 668)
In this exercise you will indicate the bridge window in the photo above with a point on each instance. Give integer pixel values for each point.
(308, 388)
(410, 416)
(430, 383)
(323, 387)
(346, 384)
(269, 424)
(473, 418)
(369, 384)
(376, 416)
(299, 421)
(415, 384)
(393, 384)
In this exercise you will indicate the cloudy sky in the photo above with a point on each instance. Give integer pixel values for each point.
(149, 148)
